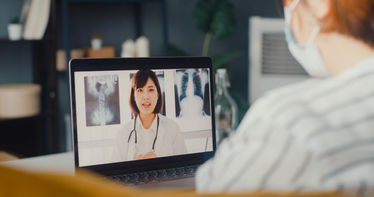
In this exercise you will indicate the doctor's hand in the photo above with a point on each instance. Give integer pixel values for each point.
(148, 155)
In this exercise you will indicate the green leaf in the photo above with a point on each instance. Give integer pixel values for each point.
(223, 59)
(14, 20)
(215, 17)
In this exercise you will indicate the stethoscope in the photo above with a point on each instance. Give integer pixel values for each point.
(136, 136)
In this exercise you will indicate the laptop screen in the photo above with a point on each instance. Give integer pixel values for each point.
(145, 114)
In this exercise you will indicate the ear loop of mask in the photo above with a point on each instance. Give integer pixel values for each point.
(294, 4)
(314, 34)
(307, 54)
(315, 30)
(288, 12)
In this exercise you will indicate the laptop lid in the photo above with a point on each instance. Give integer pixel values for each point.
(137, 114)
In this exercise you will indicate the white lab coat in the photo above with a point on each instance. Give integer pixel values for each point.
(169, 141)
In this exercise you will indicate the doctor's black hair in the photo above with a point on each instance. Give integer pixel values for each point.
(139, 80)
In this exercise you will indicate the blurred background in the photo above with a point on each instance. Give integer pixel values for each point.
(170, 26)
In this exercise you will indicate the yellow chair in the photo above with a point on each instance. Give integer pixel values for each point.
(4, 156)
(19, 183)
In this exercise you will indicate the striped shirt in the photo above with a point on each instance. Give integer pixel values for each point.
(314, 136)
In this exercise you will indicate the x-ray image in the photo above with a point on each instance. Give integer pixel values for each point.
(102, 100)
(192, 97)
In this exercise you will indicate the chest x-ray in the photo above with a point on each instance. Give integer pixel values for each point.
(192, 93)
(102, 100)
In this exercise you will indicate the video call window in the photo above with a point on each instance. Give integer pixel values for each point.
(142, 114)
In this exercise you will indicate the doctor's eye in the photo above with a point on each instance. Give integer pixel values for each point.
(139, 90)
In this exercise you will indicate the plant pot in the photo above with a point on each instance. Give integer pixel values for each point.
(15, 31)
(96, 43)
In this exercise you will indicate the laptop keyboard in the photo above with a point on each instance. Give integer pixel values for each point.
(156, 175)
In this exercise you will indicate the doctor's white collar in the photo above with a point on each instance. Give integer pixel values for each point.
(153, 126)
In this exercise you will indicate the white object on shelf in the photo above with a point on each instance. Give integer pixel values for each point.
(61, 64)
(96, 43)
(128, 49)
(19, 100)
(15, 31)
(37, 19)
(142, 47)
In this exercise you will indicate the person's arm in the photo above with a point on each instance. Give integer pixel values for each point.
(120, 147)
(116, 156)
(180, 144)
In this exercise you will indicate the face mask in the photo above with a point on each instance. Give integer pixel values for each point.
(307, 54)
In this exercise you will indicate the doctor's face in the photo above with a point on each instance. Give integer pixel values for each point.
(146, 97)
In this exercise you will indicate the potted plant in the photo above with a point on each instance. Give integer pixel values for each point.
(217, 20)
(14, 29)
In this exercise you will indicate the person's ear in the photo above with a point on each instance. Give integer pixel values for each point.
(321, 8)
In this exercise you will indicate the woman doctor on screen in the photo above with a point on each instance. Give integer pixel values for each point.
(149, 134)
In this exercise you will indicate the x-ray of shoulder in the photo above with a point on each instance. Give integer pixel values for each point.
(102, 100)
(192, 93)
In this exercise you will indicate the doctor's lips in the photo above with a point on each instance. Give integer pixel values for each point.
(146, 105)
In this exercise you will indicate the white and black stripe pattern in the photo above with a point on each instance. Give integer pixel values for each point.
(314, 136)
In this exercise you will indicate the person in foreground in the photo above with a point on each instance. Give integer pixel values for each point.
(317, 135)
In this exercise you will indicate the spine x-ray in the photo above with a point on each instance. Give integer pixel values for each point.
(102, 100)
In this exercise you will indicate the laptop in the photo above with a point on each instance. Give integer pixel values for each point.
(142, 120)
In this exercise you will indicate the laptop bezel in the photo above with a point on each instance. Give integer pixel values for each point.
(106, 64)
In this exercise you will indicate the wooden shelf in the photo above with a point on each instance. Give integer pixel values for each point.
(137, 19)
(6, 40)
(38, 134)
(2, 120)
(110, 1)
(40, 115)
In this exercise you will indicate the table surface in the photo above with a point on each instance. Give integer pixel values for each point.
(64, 163)
(55, 163)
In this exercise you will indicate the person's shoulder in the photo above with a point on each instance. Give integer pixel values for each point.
(285, 96)
(293, 91)
(284, 105)
(129, 124)
(314, 97)
(167, 120)
(312, 104)
(125, 129)
(169, 123)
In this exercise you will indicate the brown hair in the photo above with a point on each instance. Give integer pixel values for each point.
(354, 18)
(139, 80)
